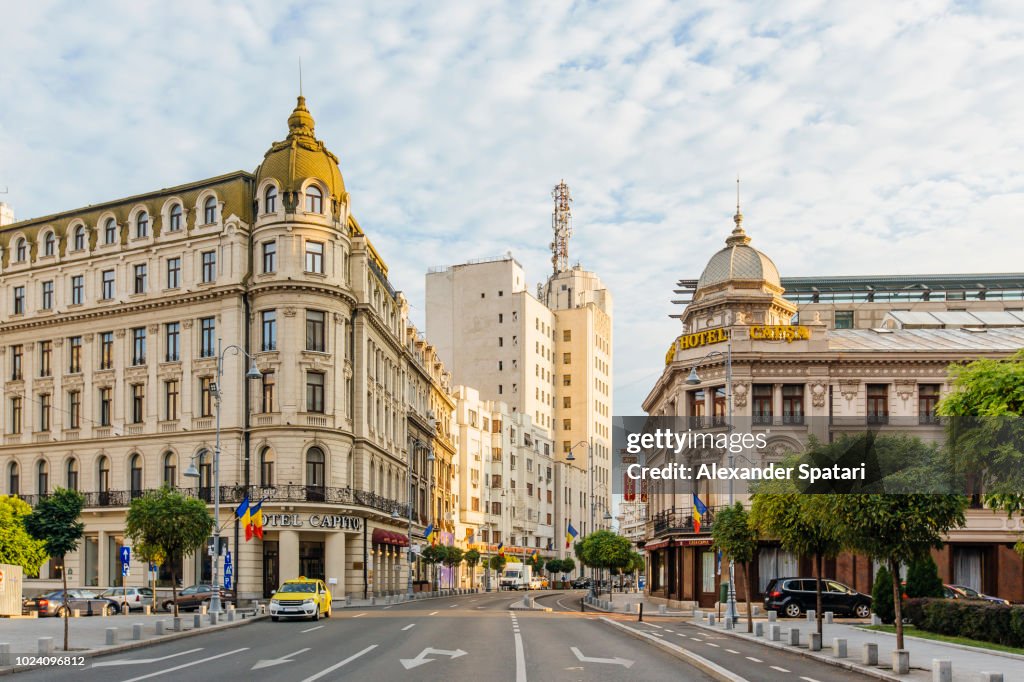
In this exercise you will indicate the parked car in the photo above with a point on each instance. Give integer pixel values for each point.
(582, 584)
(970, 593)
(795, 596)
(137, 598)
(194, 597)
(87, 602)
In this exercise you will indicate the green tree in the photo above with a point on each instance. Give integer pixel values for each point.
(55, 522)
(433, 555)
(164, 520)
(923, 578)
(497, 563)
(537, 565)
(735, 536)
(472, 559)
(881, 596)
(568, 565)
(452, 557)
(150, 555)
(17, 547)
(606, 550)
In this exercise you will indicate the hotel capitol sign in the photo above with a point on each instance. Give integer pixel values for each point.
(761, 332)
(330, 521)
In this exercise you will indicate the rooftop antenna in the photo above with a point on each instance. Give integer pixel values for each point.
(561, 224)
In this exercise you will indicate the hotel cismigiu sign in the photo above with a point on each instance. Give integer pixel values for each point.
(704, 338)
(762, 332)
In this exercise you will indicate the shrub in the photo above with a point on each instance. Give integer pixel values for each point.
(923, 578)
(881, 596)
(972, 619)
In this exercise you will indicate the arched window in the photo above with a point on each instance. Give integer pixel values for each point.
(135, 476)
(13, 479)
(315, 475)
(49, 244)
(210, 211)
(266, 468)
(21, 250)
(103, 474)
(314, 200)
(42, 478)
(110, 231)
(270, 200)
(142, 225)
(170, 470)
(72, 473)
(175, 218)
(80, 238)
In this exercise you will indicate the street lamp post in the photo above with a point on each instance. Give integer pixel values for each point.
(694, 379)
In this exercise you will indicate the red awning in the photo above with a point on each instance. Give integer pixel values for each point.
(650, 546)
(386, 537)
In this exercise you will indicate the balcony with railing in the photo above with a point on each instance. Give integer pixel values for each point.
(678, 521)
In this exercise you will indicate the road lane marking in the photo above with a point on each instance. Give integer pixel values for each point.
(433, 613)
(809, 679)
(311, 629)
(706, 664)
(520, 658)
(359, 615)
(410, 626)
(654, 626)
(672, 631)
(755, 660)
(697, 639)
(337, 665)
(612, 661)
(781, 670)
(187, 665)
(268, 662)
(134, 661)
(732, 651)
(712, 644)
(387, 607)
(421, 658)
(453, 606)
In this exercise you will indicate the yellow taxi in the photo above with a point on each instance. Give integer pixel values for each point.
(301, 598)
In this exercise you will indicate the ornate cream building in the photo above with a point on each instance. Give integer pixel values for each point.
(111, 321)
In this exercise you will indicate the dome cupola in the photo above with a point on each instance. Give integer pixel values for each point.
(738, 261)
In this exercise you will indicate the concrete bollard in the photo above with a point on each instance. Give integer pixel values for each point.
(755, 610)
(828, 617)
(773, 616)
(900, 661)
(729, 625)
(875, 620)
(794, 637)
(697, 615)
(870, 654)
(942, 670)
(147, 610)
(137, 631)
(815, 644)
(839, 647)
(214, 618)
(991, 677)
(373, 601)
(176, 623)
(197, 621)
(759, 629)
(711, 619)
(774, 632)
(5, 654)
(76, 613)
(45, 645)
(111, 636)
(812, 615)
(159, 628)
(231, 615)
(662, 610)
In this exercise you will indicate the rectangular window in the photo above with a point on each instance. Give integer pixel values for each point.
(107, 285)
(567, 380)
(77, 290)
(171, 395)
(269, 329)
(927, 401)
(209, 266)
(75, 355)
(566, 335)
(315, 330)
(496, 509)
(138, 403)
(268, 392)
(45, 358)
(762, 403)
(205, 396)
(19, 300)
(793, 404)
(74, 409)
(566, 401)
(173, 273)
(44, 411)
(106, 350)
(314, 392)
(15, 426)
(697, 407)
(315, 257)
(878, 403)
(106, 405)
(207, 337)
(566, 358)
(844, 319)
(17, 362)
(270, 256)
(172, 339)
(140, 278)
(139, 346)
(566, 424)
(48, 295)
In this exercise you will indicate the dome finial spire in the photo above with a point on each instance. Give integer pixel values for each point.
(738, 218)
(738, 236)
(300, 76)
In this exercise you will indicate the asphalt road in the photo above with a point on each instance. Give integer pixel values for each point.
(467, 637)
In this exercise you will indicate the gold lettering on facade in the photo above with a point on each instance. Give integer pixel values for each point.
(780, 332)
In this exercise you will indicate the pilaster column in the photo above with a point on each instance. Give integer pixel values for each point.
(103, 559)
(777, 403)
(288, 554)
(334, 563)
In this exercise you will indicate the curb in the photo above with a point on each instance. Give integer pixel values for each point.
(964, 647)
(709, 667)
(128, 646)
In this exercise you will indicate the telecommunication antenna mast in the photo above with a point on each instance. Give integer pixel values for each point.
(561, 224)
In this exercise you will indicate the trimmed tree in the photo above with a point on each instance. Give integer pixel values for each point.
(735, 535)
(472, 559)
(605, 549)
(923, 578)
(17, 547)
(452, 557)
(164, 520)
(497, 563)
(55, 522)
(568, 565)
(433, 555)
(881, 596)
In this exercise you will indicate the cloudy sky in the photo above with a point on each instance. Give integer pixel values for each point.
(872, 137)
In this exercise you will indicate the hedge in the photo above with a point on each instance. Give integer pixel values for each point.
(972, 619)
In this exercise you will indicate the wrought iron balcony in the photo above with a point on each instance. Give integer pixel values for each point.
(673, 521)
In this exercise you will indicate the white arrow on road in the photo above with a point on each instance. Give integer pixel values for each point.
(422, 657)
(268, 662)
(612, 661)
(137, 661)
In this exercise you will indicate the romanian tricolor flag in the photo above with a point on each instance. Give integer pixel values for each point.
(699, 510)
(535, 556)
(243, 515)
(257, 520)
(501, 549)
(570, 535)
(430, 534)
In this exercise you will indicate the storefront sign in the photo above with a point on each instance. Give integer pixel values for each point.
(780, 332)
(692, 542)
(704, 338)
(333, 522)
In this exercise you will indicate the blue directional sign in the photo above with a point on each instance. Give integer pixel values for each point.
(126, 558)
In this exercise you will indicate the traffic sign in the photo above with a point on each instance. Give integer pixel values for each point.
(126, 555)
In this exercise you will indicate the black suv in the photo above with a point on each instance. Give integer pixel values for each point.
(794, 596)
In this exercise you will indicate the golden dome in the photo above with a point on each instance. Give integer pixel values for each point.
(739, 261)
(301, 156)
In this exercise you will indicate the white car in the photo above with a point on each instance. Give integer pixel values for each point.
(537, 583)
(137, 598)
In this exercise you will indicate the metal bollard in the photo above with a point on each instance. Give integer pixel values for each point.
(794, 637)
(812, 615)
(870, 654)
(45, 645)
(774, 632)
(900, 661)
(839, 647)
(5, 653)
(111, 636)
(759, 629)
(828, 617)
(773, 616)
(137, 631)
(197, 621)
(815, 644)
(942, 670)
(991, 677)
(640, 617)
(159, 627)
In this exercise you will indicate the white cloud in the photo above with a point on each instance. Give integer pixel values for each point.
(874, 137)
